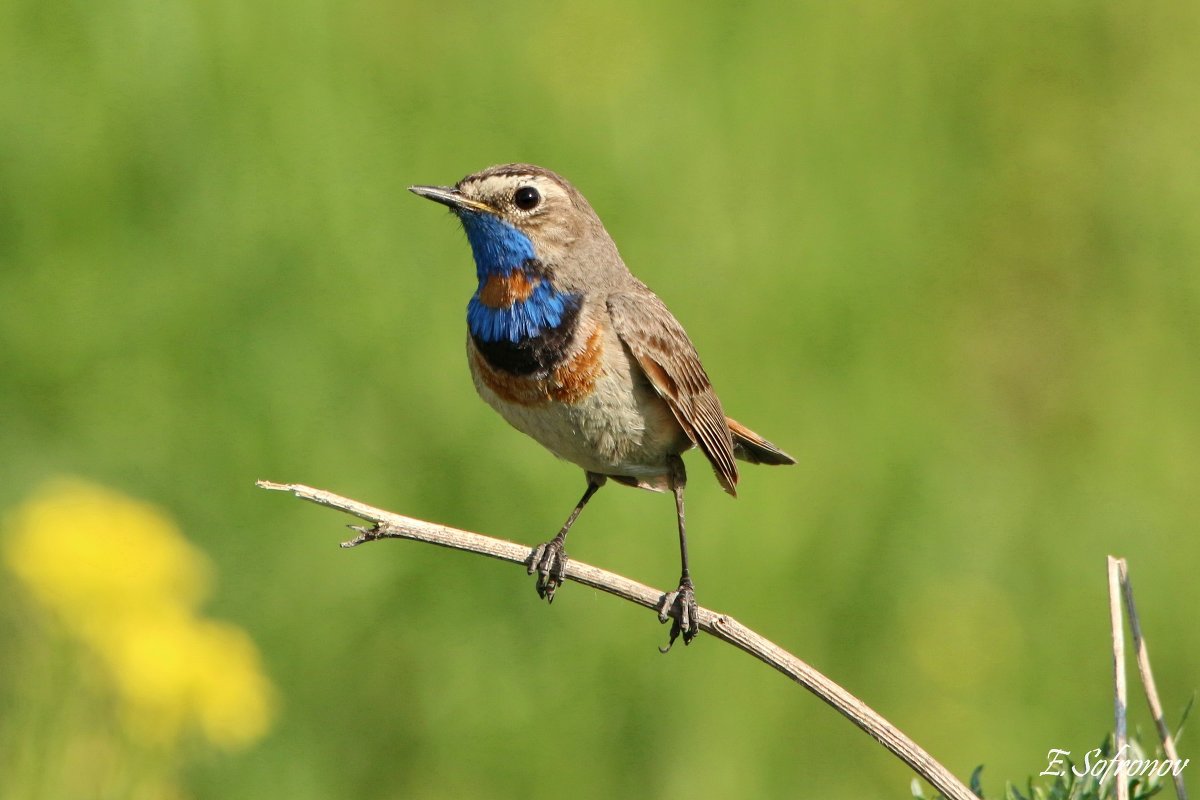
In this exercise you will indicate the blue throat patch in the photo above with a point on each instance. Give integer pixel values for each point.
(501, 249)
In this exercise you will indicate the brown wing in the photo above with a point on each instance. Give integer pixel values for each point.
(669, 359)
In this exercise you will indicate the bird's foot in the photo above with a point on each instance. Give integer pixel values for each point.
(686, 617)
(549, 561)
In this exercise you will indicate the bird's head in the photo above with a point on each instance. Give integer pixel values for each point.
(514, 214)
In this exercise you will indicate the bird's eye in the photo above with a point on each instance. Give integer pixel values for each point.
(527, 198)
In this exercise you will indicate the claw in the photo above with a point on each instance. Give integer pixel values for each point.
(686, 620)
(549, 561)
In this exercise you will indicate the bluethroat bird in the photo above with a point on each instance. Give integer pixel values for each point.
(577, 353)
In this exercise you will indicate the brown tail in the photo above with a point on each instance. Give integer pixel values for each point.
(749, 446)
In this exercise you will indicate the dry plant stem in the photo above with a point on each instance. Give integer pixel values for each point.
(1143, 662)
(1120, 701)
(386, 525)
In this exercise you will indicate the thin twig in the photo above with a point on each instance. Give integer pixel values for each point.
(1120, 701)
(1143, 662)
(386, 525)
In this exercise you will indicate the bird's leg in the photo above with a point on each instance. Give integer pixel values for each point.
(549, 559)
(686, 619)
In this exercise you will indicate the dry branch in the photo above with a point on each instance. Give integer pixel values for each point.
(386, 525)
(1120, 696)
(1143, 661)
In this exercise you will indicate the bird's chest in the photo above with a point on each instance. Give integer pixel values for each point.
(531, 345)
(539, 372)
(589, 406)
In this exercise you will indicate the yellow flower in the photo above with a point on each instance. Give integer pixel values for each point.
(124, 580)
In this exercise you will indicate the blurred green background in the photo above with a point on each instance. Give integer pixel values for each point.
(946, 254)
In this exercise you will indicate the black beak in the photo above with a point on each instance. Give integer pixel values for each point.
(449, 196)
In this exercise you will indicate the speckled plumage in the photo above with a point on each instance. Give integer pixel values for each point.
(574, 351)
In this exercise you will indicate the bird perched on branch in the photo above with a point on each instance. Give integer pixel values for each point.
(577, 353)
